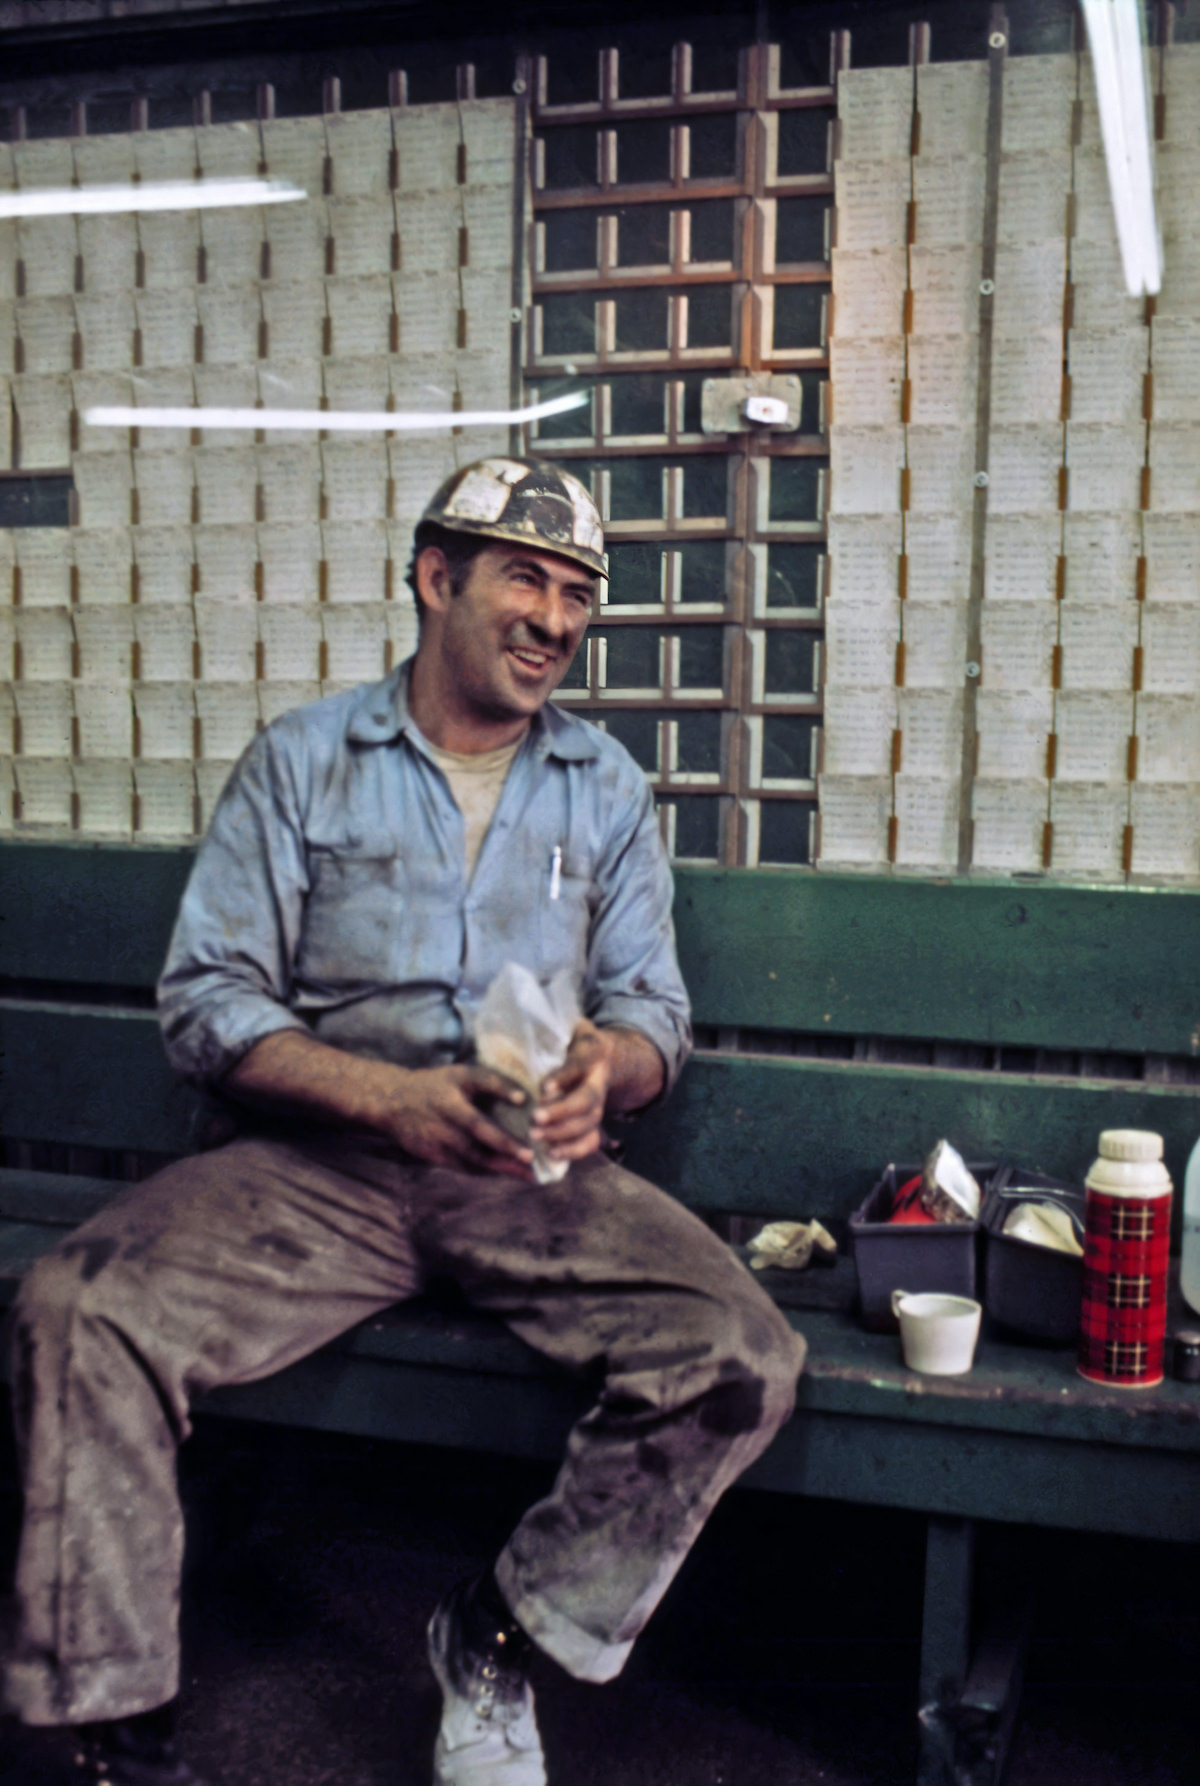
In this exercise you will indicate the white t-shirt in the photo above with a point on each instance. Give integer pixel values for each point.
(476, 781)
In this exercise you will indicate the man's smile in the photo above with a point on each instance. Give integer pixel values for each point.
(531, 658)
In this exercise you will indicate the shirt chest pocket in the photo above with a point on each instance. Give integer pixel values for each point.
(564, 915)
(354, 915)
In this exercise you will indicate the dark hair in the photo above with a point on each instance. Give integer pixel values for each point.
(460, 550)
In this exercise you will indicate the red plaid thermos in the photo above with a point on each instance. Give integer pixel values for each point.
(1124, 1318)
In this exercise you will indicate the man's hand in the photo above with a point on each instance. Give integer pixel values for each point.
(572, 1100)
(434, 1113)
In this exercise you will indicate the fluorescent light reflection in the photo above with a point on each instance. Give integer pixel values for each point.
(1118, 63)
(332, 421)
(148, 195)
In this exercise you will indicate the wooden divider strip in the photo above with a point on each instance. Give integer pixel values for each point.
(997, 57)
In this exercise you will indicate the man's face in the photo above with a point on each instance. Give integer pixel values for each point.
(507, 638)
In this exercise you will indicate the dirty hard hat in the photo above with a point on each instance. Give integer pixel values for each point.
(525, 501)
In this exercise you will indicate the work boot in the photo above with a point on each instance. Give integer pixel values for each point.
(488, 1735)
(138, 1751)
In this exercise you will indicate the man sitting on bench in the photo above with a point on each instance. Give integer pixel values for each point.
(375, 860)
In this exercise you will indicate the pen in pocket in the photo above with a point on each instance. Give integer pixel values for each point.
(556, 871)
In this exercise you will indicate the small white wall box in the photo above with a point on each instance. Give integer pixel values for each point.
(770, 411)
(754, 401)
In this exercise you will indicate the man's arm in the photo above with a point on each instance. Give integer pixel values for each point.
(429, 1112)
(223, 996)
(627, 1052)
(633, 984)
(228, 970)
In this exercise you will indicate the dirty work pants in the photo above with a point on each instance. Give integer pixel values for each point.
(226, 1267)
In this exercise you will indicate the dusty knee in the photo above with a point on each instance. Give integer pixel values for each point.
(48, 1291)
(40, 1325)
(760, 1359)
(70, 1280)
(773, 1350)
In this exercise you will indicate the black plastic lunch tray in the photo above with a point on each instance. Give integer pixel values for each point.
(920, 1256)
(1031, 1289)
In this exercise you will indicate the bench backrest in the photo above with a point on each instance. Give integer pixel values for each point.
(843, 1021)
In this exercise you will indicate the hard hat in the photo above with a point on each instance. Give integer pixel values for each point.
(525, 501)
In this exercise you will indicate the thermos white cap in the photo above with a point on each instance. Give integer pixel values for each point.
(1130, 1165)
(1130, 1144)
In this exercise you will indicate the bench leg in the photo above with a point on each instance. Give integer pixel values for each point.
(945, 1643)
(967, 1701)
(991, 1698)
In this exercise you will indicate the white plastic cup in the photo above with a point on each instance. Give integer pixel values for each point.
(938, 1333)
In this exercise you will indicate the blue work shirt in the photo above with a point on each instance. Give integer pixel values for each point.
(330, 894)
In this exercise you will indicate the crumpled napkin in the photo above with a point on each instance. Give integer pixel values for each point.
(791, 1246)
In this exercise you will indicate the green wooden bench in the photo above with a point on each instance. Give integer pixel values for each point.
(842, 1022)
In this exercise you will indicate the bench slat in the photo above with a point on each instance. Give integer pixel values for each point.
(1013, 1388)
(875, 1461)
(1022, 1438)
(797, 1137)
(90, 1077)
(55, 1199)
(91, 914)
(1034, 1479)
(776, 1134)
(1003, 963)
(21, 1245)
(1105, 969)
